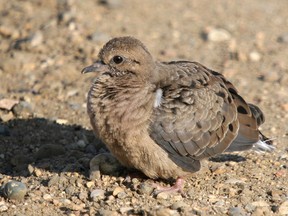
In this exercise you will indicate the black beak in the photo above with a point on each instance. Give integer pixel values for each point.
(98, 66)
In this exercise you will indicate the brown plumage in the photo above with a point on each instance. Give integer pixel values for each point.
(162, 118)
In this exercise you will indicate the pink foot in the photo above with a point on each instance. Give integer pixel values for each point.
(177, 187)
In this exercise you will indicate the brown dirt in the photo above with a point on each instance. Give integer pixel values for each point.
(45, 44)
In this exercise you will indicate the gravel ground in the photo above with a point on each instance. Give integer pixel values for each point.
(46, 142)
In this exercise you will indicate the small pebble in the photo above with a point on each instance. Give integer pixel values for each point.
(8, 104)
(54, 180)
(97, 194)
(178, 205)
(165, 212)
(218, 35)
(36, 39)
(90, 184)
(146, 188)
(99, 37)
(260, 211)
(7, 117)
(254, 56)
(81, 144)
(121, 195)
(283, 208)
(260, 204)
(105, 163)
(23, 109)
(15, 190)
(37, 172)
(3, 206)
(163, 196)
(283, 38)
(236, 211)
(125, 209)
(104, 212)
(47, 197)
(117, 190)
(61, 121)
(83, 196)
(113, 4)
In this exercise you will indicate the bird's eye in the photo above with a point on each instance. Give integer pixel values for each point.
(117, 59)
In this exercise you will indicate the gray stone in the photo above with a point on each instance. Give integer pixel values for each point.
(15, 190)
(236, 211)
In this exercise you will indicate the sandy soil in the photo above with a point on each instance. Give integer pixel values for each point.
(46, 140)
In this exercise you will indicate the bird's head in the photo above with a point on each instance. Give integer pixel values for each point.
(124, 56)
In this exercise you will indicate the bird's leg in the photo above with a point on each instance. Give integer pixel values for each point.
(177, 187)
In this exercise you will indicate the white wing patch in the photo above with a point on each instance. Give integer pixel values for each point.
(158, 98)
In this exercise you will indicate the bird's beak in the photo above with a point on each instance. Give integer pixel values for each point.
(98, 66)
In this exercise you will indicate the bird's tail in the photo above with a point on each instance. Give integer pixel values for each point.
(249, 136)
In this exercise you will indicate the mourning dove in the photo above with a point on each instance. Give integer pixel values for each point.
(163, 118)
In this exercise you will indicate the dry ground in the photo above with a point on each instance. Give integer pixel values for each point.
(46, 140)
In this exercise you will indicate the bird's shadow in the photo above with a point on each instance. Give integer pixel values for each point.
(57, 148)
(45, 144)
(227, 157)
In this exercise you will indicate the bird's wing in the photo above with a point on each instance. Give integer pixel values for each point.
(197, 117)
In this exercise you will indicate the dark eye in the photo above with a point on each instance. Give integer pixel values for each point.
(117, 59)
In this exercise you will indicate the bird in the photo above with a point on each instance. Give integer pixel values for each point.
(164, 118)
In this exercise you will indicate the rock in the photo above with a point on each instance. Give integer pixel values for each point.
(23, 109)
(36, 39)
(8, 104)
(125, 209)
(121, 195)
(49, 150)
(236, 211)
(260, 211)
(283, 38)
(3, 206)
(15, 190)
(178, 205)
(90, 184)
(99, 37)
(254, 56)
(284, 106)
(97, 194)
(104, 212)
(163, 195)
(4, 131)
(8, 31)
(105, 164)
(146, 188)
(70, 190)
(260, 204)
(62, 121)
(217, 35)
(117, 190)
(283, 208)
(54, 180)
(111, 3)
(83, 196)
(7, 117)
(37, 172)
(165, 212)
(234, 181)
(81, 144)
(271, 76)
(47, 197)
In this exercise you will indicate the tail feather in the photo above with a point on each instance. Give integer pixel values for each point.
(249, 136)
